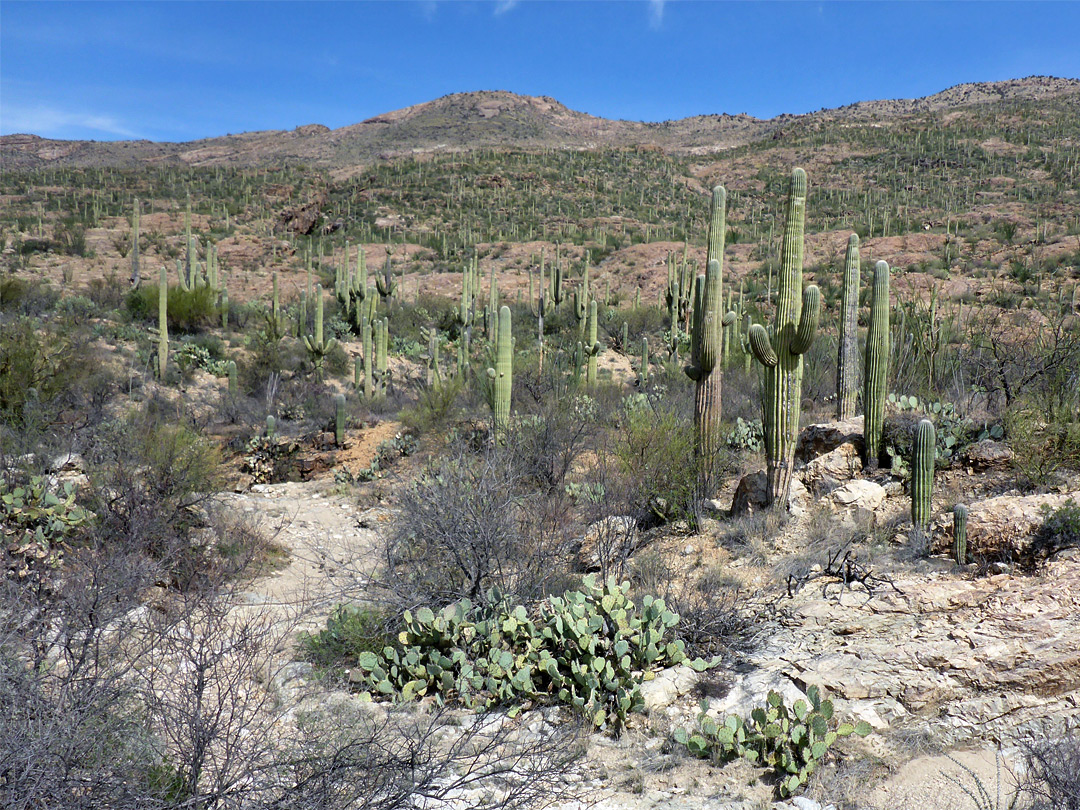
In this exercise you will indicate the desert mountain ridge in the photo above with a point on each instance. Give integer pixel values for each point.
(497, 118)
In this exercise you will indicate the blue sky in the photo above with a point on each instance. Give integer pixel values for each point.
(179, 71)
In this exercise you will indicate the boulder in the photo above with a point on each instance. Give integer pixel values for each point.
(817, 440)
(988, 455)
(860, 497)
(828, 471)
(751, 495)
(607, 540)
(1004, 526)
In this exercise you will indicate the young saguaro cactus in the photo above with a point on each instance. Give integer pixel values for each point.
(339, 420)
(163, 323)
(922, 473)
(135, 244)
(592, 347)
(876, 366)
(502, 376)
(959, 522)
(793, 332)
(847, 354)
(706, 333)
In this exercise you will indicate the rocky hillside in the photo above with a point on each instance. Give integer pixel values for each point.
(464, 121)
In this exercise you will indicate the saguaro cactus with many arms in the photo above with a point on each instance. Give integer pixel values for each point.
(781, 352)
(706, 334)
(316, 346)
(922, 473)
(848, 351)
(876, 366)
(502, 375)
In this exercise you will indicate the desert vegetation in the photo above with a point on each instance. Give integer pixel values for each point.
(636, 445)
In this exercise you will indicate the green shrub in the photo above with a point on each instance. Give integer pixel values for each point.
(589, 649)
(350, 630)
(791, 742)
(1060, 529)
(188, 311)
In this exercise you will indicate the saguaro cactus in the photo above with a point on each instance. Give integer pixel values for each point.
(385, 283)
(706, 334)
(316, 346)
(339, 420)
(163, 323)
(643, 372)
(135, 244)
(593, 347)
(847, 353)
(876, 366)
(233, 387)
(502, 375)
(959, 523)
(922, 473)
(369, 360)
(781, 352)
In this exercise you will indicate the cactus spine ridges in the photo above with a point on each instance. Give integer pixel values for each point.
(847, 360)
(959, 519)
(922, 473)
(592, 347)
(502, 375)
(781, 353)
(706, 332)
(135, 244)
(876, 365)
(163, 323)
(316, 346)
(339, 420)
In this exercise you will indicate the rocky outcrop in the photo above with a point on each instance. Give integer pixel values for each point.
(1004, 527)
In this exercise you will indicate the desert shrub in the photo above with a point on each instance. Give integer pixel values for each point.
(435, 409)
(466, 525)
(548, 443)
(350, 631)
(38, 366)
(188, 310)
(28, 298)
(1053, 773)
(148, 477)
(1060, 529)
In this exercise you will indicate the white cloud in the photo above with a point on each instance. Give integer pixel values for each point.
(503, 6)
(50, 122)
(656, 13)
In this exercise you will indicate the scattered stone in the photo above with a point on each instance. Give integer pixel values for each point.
(817, 440)
(861, 498)
(988, 455)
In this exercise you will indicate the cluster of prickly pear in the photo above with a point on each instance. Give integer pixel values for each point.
(781, 353)
(706, 335)
(792, 742)
(847, 373)
(502, 375)
(876, 366)
(923, 451)
(587, 649)
(316, 346)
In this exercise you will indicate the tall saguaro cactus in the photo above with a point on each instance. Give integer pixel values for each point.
(163, 323)
(848, 352)
(502, 376)
(876, 366)
(592, 347)
(135, 244)
(706, 334)
(316, 346)
(781, 352)
(922, 473)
